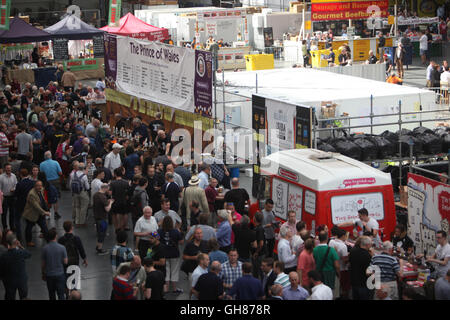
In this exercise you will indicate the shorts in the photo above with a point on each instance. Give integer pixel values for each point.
(423, 52)
(57, 185)
(119, 208)
(173, 269)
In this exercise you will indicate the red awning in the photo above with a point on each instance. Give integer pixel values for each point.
(136, 28)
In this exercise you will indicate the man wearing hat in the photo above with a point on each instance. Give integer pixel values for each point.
(194, 192)
(112, 160)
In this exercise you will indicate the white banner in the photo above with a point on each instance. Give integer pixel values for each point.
(173, 76)
(412, 21)
(280, 116)
(156, 72)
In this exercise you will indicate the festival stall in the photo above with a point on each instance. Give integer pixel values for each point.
(133, 27)
(17, 46)
(82, 42)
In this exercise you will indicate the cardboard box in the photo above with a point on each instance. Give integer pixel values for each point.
(296, 7)
(328, 109)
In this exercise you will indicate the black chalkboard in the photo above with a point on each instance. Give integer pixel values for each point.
(60, 49)
(99, 46)
(268, 37)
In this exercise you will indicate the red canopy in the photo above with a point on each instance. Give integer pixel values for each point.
(136, 28)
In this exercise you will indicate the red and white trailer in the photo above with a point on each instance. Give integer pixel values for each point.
(325, 188)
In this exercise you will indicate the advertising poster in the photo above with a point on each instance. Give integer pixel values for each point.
(5, 7)
(259, 138)
(326, 10)
(345, 208)
(303, 137)
(428, 211)
(174, 76)
(268, 37)
(280, 125)
(280, 198)
(114, 13)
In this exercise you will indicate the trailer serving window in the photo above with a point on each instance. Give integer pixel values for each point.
(345, 208)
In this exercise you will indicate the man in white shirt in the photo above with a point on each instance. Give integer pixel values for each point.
(8, 182)
(319, 291)
(441, 256)
(202, 268)
(366, 224)
(80, 201)
(445, 78)
(429, 69)
(291, 222)
(285, 253)
(112, 160)
(338, 243)
(204, 175)
(423, 47)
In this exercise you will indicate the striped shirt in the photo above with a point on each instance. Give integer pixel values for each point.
(122, 290)
(388, 265)
(283, 279)
(4, 151)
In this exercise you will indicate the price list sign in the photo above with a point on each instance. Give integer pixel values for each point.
(173, 76)
(60, 49)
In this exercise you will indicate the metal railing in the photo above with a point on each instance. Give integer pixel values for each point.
(402, 154)
(49, 18)
(442, 94)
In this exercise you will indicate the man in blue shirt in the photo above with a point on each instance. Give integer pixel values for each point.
(131, 160)
(37, 140)
(223, 233)
(54, 257)
(140, 129)
(247, 287)
(52, 171)
(295, 291)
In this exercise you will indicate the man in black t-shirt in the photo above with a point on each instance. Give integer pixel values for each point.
(120, 209)
(260, 249)
(244, 239)
(401, 239)
(156, 125)
(154, 283)
(343, 61)
(209, 286)
(238, 196)
(192, 249)
(156, 251)
(360, 259)
(163, 143)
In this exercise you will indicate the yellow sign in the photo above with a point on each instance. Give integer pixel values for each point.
(361, 50)
(308, 24)
(391, 20)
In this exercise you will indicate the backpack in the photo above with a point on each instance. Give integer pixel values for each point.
(135, 204)
(76, 185)
(72, 251)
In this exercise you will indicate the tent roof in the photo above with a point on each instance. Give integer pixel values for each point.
(21, 32)
(73, 28)
(129, 24)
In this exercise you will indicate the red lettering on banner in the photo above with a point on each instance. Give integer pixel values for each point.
(89, 62)
(444, 205)
(74, 63)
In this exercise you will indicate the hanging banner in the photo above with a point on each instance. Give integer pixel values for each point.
(114, 13)
(280, 125)
(428, 211)
(348, 10)
(174, 76)
(5, 7)
(259, 138)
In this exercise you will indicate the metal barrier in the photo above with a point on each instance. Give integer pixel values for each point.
(442, 94)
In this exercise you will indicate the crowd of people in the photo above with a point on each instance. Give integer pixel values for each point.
(168, 220)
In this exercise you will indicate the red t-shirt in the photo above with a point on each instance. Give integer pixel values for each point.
(442, 28)
(305, 263)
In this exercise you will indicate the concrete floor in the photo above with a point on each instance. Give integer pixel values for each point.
(96, 278)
